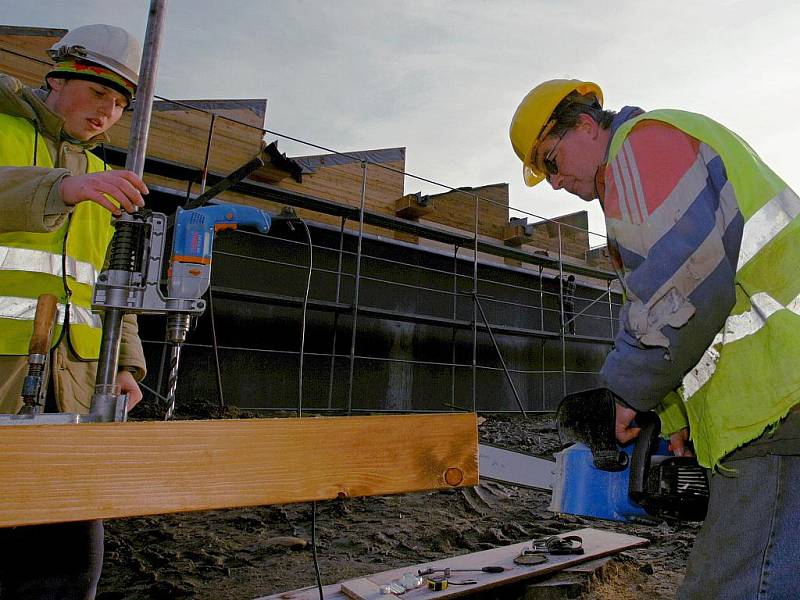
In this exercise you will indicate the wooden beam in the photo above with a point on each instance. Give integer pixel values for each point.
(516, 235)
(56, 473)
(409, 207)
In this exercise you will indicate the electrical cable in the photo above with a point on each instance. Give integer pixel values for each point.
(314, 548)
(152, 391)
(317, 574)
(305, 313)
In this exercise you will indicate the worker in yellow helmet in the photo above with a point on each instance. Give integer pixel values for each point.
(704, 237)
(57, 199)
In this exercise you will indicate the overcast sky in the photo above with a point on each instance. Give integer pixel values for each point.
(443, 78)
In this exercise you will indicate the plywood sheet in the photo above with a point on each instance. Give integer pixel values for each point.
(596, 542)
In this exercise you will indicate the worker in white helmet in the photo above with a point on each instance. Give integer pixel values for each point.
(704, 238)
(57, 199)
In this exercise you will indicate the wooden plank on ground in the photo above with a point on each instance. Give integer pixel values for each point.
(596, 542)
(363, 589)
(55, 473)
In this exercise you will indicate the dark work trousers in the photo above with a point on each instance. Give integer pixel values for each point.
(748, 547)
(51, 562)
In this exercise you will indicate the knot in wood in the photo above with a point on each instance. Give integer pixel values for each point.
(453, 476)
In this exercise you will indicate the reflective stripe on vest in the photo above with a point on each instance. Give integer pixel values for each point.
(39, 261)
(24, 309)
(737, 327)
(767, 223)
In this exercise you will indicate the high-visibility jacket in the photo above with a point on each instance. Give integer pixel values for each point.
(748, 379)
(64, 262)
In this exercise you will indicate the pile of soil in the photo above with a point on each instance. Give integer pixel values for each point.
(253, 552)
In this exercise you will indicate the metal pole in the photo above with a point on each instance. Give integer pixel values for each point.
(108, 359)
(336, 314)
(454, 330)
(541, 327)
(140, 125)
(216, 348)
(475, 310)
(610, 308)
(561, 301)
(357, 285)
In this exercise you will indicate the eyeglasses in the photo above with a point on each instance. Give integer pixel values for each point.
(549, 162)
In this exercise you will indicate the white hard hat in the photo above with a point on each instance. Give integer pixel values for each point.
(105, 45)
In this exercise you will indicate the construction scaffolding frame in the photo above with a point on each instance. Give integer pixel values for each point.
(479, 320)
(460, 241)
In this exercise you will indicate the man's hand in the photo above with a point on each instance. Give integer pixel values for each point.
(127, 385)
(125, 186)
(622, 423)
(679, 443)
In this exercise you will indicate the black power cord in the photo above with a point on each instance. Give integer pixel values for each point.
(317, 574)
(314, 548)
(305, 311)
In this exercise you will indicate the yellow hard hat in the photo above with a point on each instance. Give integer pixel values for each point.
(532, 120)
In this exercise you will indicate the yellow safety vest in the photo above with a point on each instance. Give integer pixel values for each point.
(748, 379)
(64, 262)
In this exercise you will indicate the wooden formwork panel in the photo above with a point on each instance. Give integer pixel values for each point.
(30, 72)
(457, 209)
(57, 473)
(34, 46)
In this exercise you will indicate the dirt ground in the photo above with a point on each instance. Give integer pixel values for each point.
(253, 552)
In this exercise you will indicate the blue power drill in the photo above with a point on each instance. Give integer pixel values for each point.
(190, 268)
(190, 265)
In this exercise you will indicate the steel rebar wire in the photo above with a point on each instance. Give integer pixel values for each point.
(336, 314)
(454, 331)
(218, 371)
(499, 284)
(416, 267)
(541, 314)
(212, 319)
(475, 258)
(500, 356)
(333, 151)
(475, 308)
(563, 325)
(420, 178)
(204, 176)
(357, 285)
(383, 359)
(610, 312)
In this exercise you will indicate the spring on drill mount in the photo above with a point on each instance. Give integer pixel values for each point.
(127, 243)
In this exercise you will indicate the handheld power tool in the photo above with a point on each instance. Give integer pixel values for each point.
(132, 282)
(190, 266)
(644, 474)
(596, 477)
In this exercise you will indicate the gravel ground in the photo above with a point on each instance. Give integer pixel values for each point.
(247, 553)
